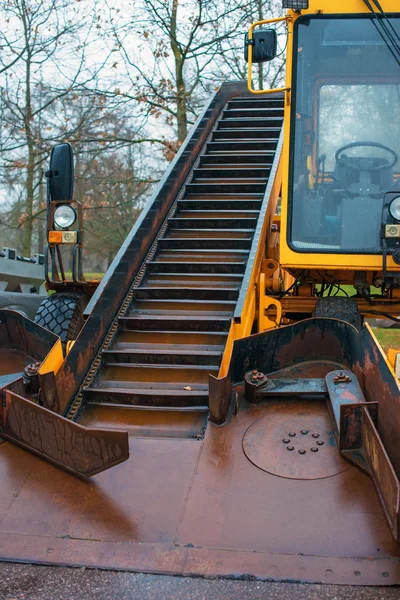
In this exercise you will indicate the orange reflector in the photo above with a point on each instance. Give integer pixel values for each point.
(55, 237)
(63, 237)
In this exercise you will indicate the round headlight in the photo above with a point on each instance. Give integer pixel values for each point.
(64, 216)
(394, 208)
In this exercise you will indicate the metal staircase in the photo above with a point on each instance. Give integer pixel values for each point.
(153, 377)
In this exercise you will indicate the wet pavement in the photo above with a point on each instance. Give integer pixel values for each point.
(29, 582)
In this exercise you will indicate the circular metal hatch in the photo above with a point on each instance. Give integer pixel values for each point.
(295, 440)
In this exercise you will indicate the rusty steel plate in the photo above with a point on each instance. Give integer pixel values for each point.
(295, 440)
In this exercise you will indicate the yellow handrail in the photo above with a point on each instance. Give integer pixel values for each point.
(250, 56)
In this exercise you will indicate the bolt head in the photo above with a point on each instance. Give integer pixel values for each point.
(304, 431)
(302, 451)
(320, 443)
(285, 440)
(313, 449)
(290, 448)
(315, 435)
(292, 434)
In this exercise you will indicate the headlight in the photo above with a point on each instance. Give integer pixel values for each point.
(394, 208)
(64, 216)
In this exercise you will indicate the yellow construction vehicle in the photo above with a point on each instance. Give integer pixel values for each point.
(227, 348)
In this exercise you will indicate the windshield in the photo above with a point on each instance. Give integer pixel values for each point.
(346, 133)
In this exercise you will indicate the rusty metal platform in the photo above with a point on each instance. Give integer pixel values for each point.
(194, 507)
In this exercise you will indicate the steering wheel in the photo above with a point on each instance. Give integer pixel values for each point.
(366, 163)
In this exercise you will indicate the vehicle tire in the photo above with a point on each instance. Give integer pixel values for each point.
(63, 315)
(344, 309)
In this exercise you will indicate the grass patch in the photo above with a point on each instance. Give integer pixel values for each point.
(87, 276)
(388, 338)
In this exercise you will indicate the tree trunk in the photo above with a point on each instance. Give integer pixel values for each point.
(28, 224)
(182, 119)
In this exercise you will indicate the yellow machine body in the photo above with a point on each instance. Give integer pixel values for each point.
(340, 265)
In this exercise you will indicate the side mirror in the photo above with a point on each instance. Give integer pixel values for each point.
(265, 44)
(61, 174)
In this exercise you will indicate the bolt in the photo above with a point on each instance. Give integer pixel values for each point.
(260, 375)
(304, 431)
(292, 434)
(320, 443)
(255, 372)
(315, 435)
(313, 449)
(302, 451)
(285, 441)
(290, 448)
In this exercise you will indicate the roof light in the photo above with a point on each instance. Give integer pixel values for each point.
(295, 4)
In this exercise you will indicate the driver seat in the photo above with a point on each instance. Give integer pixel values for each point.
(346, 176)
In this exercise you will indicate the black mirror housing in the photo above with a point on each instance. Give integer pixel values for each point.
(61, 174)
(265, 45)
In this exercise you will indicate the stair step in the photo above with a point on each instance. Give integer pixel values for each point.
(215, 172)
(215, 234)
(181, 323)
(220, 214)
(130, 347)
(234, 146)
(253, 113)
(181, 306)
(165, 355)
(248, 197)
(261, 121)
(232, 159)
(264, 133)
(192, 340)
(206, 254)
(212, 223)
(219, 204)
(225, 188)
(117, 393)
(134, 373)
(204, 244)
(196, 279)
(195, 267)
(147, 421)
(257, 103)
(192, 293)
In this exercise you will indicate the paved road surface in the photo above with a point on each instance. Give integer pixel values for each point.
(29, 582)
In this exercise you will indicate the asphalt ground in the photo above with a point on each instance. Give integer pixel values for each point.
(31, 582)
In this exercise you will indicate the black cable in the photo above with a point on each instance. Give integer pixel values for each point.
(379, 7)
(383, 24)
(384, 33)
(282, 294)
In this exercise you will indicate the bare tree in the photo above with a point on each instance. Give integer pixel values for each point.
(179, 45)
(48, 37)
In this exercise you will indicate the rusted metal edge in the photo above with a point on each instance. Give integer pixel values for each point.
(220, 399)
(350, 433)
(200, 562)
(76, 449)
(383, 473)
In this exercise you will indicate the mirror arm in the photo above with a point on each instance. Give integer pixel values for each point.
(250, 43)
